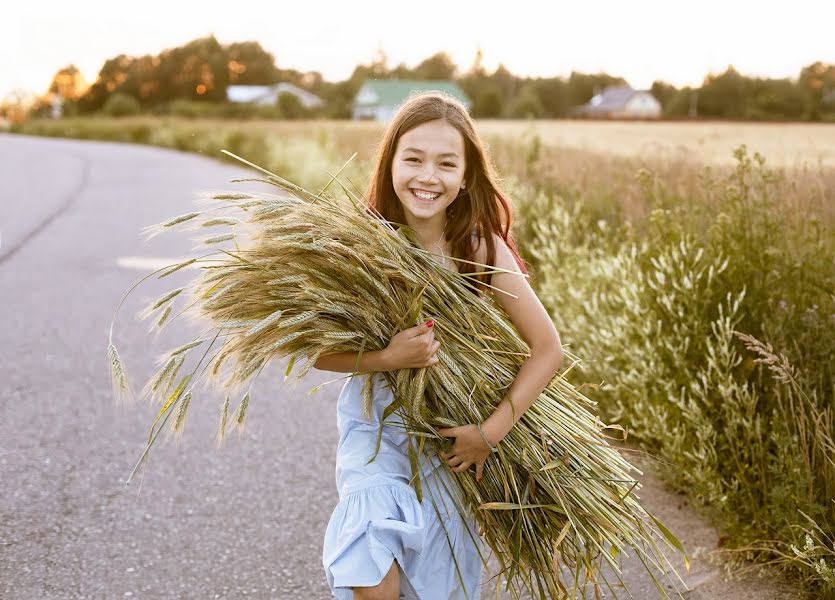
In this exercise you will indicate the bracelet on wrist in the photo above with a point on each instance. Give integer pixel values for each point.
(493, 447)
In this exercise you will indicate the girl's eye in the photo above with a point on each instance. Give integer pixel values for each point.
(449, 164)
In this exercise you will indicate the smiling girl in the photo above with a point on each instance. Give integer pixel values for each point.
(433, 175)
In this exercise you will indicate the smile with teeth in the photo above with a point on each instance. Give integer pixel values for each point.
(421, 195)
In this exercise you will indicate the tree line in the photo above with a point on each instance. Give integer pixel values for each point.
(194, 77)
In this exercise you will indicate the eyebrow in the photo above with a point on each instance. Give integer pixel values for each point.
(421, 152)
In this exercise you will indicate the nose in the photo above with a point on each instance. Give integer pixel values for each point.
(427, 174)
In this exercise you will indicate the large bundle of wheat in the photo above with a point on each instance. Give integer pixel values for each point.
(316, 273)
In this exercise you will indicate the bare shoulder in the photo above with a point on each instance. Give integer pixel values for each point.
(512, 291)
(504, 257)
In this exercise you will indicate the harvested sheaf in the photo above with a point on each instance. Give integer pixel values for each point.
(321, 273)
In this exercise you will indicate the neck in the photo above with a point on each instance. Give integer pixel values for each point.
(430, 233)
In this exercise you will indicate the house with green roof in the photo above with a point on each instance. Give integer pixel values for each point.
(378, 99)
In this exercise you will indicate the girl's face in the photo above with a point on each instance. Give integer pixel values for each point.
(428, 169)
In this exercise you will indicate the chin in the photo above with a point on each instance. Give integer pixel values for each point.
(421, 213)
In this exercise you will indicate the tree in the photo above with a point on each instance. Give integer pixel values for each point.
(582, 86)
(17, 104)
(379, 64)
(197, 71)
(488, 103)
(817, 81)
(553, 95)
(477, 70)
(724, 95)
(290, 107)
(775, 99)
(505, 81)
(121, 105)
(680, 103)
(526, 104)
(250, 64)
(439, 66)
(401, 71)
(111, 76)
(68, 83)
(663, 92)
(143, 82)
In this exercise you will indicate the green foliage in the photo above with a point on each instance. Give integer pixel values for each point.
(818, 83)
(191, 109)
(526, 105)
(202, 69)
(250, 64)
(724, 95)
(582, 86)
(290, 107)
(679, 102)
(439, 66)
(654, 305)
(660, 317)
(663, 92)
(488, 104)
(121, 105)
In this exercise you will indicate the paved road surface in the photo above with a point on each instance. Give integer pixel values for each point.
(246, 521)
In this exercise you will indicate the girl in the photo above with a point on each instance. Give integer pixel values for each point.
(433, 175)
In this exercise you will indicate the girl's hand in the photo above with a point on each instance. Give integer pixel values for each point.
(412, 348)
(469, 449)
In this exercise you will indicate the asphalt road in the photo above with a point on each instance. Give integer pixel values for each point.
(244, 521)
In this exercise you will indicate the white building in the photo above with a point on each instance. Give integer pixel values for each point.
(621, 102)
(267, 95)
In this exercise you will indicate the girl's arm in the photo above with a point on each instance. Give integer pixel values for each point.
(536, 328)
(346, 362)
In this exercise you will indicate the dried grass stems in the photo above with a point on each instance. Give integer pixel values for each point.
(319, 273)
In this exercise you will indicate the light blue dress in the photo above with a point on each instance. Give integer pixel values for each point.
(378, 517)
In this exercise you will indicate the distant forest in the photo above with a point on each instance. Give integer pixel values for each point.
(194, 77)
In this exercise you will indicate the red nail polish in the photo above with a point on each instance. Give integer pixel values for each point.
(429, 323)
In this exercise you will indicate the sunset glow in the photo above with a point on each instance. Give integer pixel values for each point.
(642, 41)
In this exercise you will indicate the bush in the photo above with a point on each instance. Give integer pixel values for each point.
(290, 107)
(712, 332)
(121, 105)
(526, 105)
(192, 110)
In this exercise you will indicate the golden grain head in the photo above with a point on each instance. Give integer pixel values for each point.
(121, 388)
(289, 293)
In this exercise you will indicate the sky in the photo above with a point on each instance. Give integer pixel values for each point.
(641, 41)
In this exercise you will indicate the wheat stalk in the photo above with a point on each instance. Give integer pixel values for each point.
(320, 274)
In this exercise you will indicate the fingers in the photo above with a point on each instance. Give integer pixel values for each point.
(455, 460)
(431, 352)
(479, 472)
(430, 347)
(422, 329)
(462, 467)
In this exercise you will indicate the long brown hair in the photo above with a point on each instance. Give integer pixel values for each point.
(480, 206)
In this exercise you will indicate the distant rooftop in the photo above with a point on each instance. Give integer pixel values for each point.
(392, 92)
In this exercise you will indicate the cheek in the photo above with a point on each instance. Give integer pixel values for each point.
(454, 181)
(397, 177)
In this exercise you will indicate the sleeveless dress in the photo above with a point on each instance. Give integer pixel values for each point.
(379, 519)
